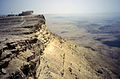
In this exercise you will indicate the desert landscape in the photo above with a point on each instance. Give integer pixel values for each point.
(59, 39)
(97, 32)
(29, 50)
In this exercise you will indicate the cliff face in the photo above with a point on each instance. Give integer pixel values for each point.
(30, 51)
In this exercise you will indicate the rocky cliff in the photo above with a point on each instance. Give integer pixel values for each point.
(28, 50)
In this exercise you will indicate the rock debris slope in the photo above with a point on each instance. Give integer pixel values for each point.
(28, 50)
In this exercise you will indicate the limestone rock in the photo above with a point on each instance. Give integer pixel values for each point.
(33, 52)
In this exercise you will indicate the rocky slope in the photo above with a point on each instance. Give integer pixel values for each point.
(28, 50)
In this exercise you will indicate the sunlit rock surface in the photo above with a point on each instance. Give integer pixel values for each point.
(28, 50)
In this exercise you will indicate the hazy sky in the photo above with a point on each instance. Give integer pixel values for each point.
(60, 6)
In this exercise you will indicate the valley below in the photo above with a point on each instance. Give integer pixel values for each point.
(97, 32)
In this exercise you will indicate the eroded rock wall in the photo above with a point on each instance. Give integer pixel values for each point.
(30, 51)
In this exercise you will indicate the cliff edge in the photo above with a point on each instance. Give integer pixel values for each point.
(28, 50)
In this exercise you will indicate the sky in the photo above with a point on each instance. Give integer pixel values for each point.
(59, 6)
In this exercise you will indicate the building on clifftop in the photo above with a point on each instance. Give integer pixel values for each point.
(24, 13)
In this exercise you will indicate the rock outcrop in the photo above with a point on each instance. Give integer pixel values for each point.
(30, 51)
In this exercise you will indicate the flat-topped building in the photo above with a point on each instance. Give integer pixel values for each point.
(24, 13)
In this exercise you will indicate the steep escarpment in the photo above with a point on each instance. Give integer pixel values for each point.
(20, 58)
(36, 53)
